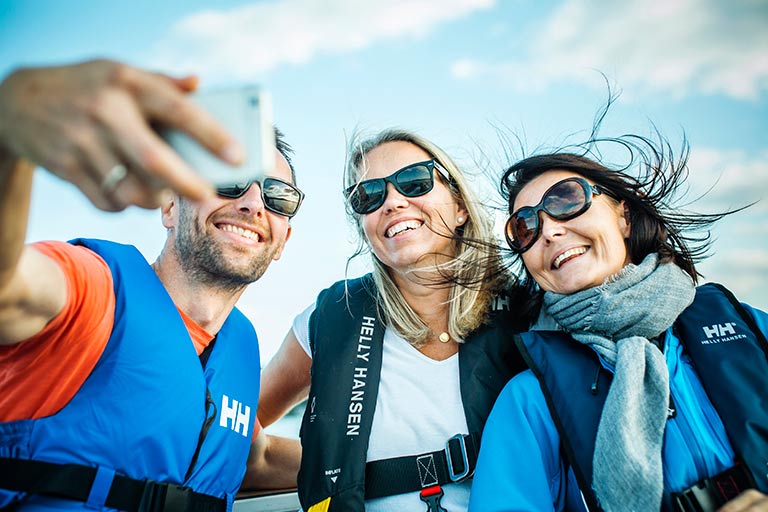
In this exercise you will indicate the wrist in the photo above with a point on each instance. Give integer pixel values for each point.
(9, 101)
(8, 159)
(11, 164)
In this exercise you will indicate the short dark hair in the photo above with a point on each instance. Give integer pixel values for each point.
(286, 150)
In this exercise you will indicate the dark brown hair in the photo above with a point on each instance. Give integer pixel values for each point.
(650, 184)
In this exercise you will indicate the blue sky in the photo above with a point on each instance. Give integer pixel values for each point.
(465, 73)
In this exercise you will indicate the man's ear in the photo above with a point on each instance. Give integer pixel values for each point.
(279, 252)
(170, 211)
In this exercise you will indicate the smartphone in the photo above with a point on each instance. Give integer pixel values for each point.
(246, 112)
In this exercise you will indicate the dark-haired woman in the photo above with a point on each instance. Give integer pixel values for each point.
(645, 392)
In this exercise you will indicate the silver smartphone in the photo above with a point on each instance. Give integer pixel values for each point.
(246, 112)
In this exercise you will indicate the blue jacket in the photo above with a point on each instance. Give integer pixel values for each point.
(521, 428)
(142, 410)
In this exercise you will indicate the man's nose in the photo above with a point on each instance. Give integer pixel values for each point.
(251, 202)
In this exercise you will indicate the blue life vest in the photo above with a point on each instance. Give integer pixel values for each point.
(142, 410)
(346, 332)
(726, 349)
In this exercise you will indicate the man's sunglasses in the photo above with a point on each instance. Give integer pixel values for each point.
(413, 180)
(278, 196)
(564, 200)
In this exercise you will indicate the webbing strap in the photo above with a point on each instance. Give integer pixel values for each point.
(399, 475)
(713, 492)
(102, 482)
(83, 483)
(744, 316)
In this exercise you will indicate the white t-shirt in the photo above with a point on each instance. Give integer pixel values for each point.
(418, 408)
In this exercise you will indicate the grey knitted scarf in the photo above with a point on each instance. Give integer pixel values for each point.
(617, 319)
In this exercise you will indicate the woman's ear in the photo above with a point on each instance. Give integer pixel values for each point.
(462, 216)
(625, 225)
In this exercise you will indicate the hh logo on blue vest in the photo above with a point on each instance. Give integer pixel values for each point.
(235, 415)
(721, 333)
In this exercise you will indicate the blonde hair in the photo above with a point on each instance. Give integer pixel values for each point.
(472, 274)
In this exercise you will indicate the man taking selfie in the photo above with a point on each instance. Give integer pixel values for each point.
(128, 385)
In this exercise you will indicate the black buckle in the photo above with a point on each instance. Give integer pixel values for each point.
(160, 497)
(713, 492)
(431, 496)
(454, 475)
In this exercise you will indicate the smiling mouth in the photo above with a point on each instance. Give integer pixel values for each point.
(567, 256)
(402, 227)
(245, 233)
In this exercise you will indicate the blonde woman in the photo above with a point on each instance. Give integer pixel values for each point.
(406, 361)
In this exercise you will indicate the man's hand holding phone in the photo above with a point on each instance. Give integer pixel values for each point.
(246, 112)
(91, 124)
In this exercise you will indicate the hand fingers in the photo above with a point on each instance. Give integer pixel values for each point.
(86, 163)
(172, 108)
(111, 185)
(101, 200)
(750, 499)
(156, 163)
(186, 84)
(83, 120)
(133, 190)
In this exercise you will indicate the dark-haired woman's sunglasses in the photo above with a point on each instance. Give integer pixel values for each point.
(413, 180)
(277, 195)
(564, 200)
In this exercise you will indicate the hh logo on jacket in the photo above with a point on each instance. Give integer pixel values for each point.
(235, 415)
(721, 333)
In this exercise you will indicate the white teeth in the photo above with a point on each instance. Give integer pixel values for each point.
(403, 226)
(246, 233)
(567, 254)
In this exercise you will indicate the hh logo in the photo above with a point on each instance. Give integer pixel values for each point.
(501, 303)
(235, 415)
(719, 330)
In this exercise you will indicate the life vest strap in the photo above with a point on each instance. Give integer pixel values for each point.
(398, 475)
(74, 482)
(713, 492)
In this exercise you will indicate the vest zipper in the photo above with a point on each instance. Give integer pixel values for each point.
(593, 387)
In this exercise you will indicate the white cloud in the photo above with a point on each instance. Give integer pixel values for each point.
(735, 178)
(248, 40)
(673, 46)
(740, 250)
(744, 271)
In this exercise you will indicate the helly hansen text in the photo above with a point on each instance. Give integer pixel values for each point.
(361, 374)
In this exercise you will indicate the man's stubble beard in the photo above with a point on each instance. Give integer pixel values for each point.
(204, 261)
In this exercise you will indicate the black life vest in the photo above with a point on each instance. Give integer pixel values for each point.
(346, 333)
(727, 350)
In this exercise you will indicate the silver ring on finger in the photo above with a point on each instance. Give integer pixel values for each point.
(113, 178)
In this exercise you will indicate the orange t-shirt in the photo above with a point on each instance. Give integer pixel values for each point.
(40, 375)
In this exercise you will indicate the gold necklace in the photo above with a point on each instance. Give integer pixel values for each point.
(444, 337)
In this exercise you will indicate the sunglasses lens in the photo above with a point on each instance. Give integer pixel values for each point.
(566, 199)
(414, 181)
(522, 227)
(233, 191)
(281, 197)
(367, 196)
